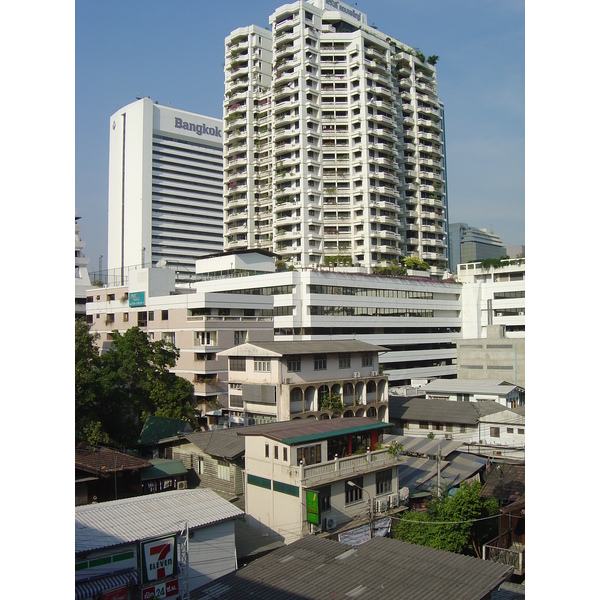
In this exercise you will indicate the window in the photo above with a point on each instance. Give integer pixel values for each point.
(240, 337)
(110, 318)
(266, 450)
(237, 363)
(367, 360)
(383, 481)
(495, 432)
(521, 431)
(423, 425)
(344, 361)
(125, 317)
(164, 315)
(354, 492)
(510, 430)
(169, 337)
(325, 498)
(110, 297)
(150, 315)
(320, 362)
(309, 455)
(224, 471)
(285, 454)
(262, 365)
(293, 364)
(276, 452)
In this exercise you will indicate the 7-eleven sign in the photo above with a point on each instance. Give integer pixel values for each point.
(160, 559)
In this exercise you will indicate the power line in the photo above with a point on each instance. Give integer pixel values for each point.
(404, 520)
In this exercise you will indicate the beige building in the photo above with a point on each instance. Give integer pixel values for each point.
(308, 475)
(200, 324)
(279, 381)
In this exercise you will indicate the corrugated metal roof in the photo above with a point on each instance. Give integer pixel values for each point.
(420, 474)
(380, 569)
(423, 445)
(160, 428)
(436, 411)
(129, 520)
(281, 348)
(300, 430)
(99, 460)
(469, 386)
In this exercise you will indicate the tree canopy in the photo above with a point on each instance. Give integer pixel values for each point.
(117, 390)
(458, 529)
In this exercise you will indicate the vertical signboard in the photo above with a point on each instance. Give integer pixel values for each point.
(159, 559)
(312, 507)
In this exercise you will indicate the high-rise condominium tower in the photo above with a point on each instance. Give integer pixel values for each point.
(165, 189)
(333, 142)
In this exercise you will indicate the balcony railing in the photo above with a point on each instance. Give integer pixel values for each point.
(513, 556)
(345, 467)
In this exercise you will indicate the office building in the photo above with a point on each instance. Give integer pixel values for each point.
(493, 295)
(334, 149)
(470, 244)
(82, 277)
(165, 191)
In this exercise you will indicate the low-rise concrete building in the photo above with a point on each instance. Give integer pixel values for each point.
(485, 427)
(312, 475)
(466, 390)
(153, 546)
(280, 381)
(199, 323)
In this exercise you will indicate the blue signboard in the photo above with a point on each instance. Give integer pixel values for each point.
(137, 298)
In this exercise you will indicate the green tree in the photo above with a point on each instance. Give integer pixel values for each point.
(333, 402)
(88, 392)
(118, 390)
(455, 523)
(414, 262)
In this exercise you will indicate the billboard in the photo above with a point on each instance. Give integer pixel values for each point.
(137, 298)
(159, 559)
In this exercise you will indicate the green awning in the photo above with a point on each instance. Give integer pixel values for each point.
(163, 467)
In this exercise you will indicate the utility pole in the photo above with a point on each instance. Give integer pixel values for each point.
(438, 459)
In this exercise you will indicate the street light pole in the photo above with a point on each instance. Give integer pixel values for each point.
(370, 513)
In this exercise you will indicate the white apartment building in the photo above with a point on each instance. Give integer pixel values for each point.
(493, 296)
(334, 149)
(165, 189)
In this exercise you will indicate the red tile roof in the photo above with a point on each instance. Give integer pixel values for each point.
(99, 460)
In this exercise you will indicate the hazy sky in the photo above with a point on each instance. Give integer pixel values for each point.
(173, 51)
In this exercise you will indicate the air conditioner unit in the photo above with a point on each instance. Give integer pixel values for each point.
(182, 485)
(374, 373)
(329, 523)
(356, 374)
(287, 381)
(448, 436)
(393, 500)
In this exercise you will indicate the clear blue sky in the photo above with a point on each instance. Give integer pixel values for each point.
(174, 53)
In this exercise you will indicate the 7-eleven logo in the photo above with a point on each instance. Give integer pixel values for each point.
(159, 559)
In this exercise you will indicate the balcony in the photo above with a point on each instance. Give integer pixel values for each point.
(513, 556)
(343, 468)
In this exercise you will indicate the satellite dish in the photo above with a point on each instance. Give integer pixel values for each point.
(162, 263)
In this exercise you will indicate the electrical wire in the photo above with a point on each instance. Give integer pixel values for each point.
(405, 520)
